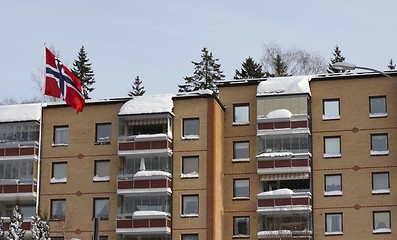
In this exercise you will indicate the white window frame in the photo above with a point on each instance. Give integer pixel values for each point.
(329, 218)
(375, 151)
(331, 109)
(381, 226)
(241, 114)
(329, 179)
(379, 186)
(375, 102)
(329, 143)
(186, 201)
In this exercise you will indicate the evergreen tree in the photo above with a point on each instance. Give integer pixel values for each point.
(82, 70)
(392, 65)
(1, 228)
(250, 69)
(15, 231)
(280, 67)
(337, 58)
(137, 89)
(40, 229)
(206, 72)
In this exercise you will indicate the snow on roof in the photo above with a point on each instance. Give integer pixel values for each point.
(20, 112)
(148, 104)
(284, 86)
(195, 93)
(283, 191)
(279, 113)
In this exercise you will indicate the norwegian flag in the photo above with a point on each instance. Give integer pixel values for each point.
(60, 82)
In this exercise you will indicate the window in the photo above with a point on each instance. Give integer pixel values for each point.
(101, 208)
(21, 170)
(241, 188)
(241, 151)
(189, 237)
(61, 135)
(191, 128)
(103, 237)
(58, 208)
(102, 135)
(102, 171)
(379, 144)
(381, 222)
(332, 147)
(57, 238)
(331, 109)
(241, 114)
(333, 185)
(377, 107)
(190, 206)
(190, 167)
(380, 183)
(59, 172)
(241, 226)
(333, 224)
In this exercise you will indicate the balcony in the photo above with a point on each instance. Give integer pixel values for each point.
(144, 144)
(19, 150)
(283, 162)
(284, 200)
(13, 188)
(144, 223)
(144, 181)
(25, 224)
(282, 119)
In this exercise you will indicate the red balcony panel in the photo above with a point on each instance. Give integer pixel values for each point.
(159, 144)
(300, 201)
(264, 126)
(10, 189)
(127, 146)
(25, 188)
(265, 202)
(124, 223)
(142, 145)
(299, 124)
(12, 152)
(282, 125)
(160, 183)
(300, 162)
(169, 143)
(125, 184)
(141, 183)
(2, 152)
(265, 164)
(158, 223)
(141, 223)
(27, 151)
(25, 225)
(282, 163)
(35, 188)
(168, 222)
(283, 201)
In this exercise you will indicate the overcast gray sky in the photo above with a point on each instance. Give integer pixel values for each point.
(158, 39)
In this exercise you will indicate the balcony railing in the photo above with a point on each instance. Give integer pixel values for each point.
(12, 149)
(25, 224)
(283, 162)
(273, 202)
(144, 180)
(142, 143)
(295, 121)
(13, 188)
(144, 222)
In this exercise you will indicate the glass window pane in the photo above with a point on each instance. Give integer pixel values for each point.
(102, 168)
(61, 135)
(240, 150)
(190, 237)
(190, 127)
(241, 226)
(379, 142)
(59, 170)
(333, 183)
(332, 145)
(381, 220)
(241, 188)
(190, 204)
(334, 222)
(103, 133)
(190, 165)
(241, 114)
(377, 105)
(331, 108)
(380, 181)
(58, 208)
(101, 208)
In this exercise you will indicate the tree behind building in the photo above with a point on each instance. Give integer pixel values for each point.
(337, 58)
(250, 69)
(82, 70)
(137, 88)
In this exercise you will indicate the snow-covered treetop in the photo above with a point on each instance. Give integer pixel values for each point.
(284, 86)
(20, 112)
(148, 104)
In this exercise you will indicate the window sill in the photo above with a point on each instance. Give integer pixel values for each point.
(190, 138)
(240, 198)
(59, 144)
(333, 233)
(377, 115)
(101, 143)
(241, 124)
(328, 118)
(333, 194)
(237, 160)
(332, 155)
(101, 179)
(189, 176)
(379, 153)
(381, 230)
(380, 191)
(190, 215)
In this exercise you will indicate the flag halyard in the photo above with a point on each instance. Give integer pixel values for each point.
(60, 82)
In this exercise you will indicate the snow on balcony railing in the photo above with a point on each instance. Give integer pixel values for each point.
(283, 200)
(276, 234)
(145, 143)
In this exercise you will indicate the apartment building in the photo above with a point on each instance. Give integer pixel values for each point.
(301, 157)
(354, 156)
(19, 161)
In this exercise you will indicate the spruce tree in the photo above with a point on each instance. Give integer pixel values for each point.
(39, 229)
(392, 65)
(206, 72)
(250, 69)
(280, 67)
(82, 70)
(15, 231)
(1, 228)
(137, 89)
(337, 58)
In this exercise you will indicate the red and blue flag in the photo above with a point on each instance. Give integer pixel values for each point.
(60, 82)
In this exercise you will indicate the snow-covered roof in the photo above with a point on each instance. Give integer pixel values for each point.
(148, 104)
(279, 113)
(200, 92)
(284, 86)
(20, 112)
